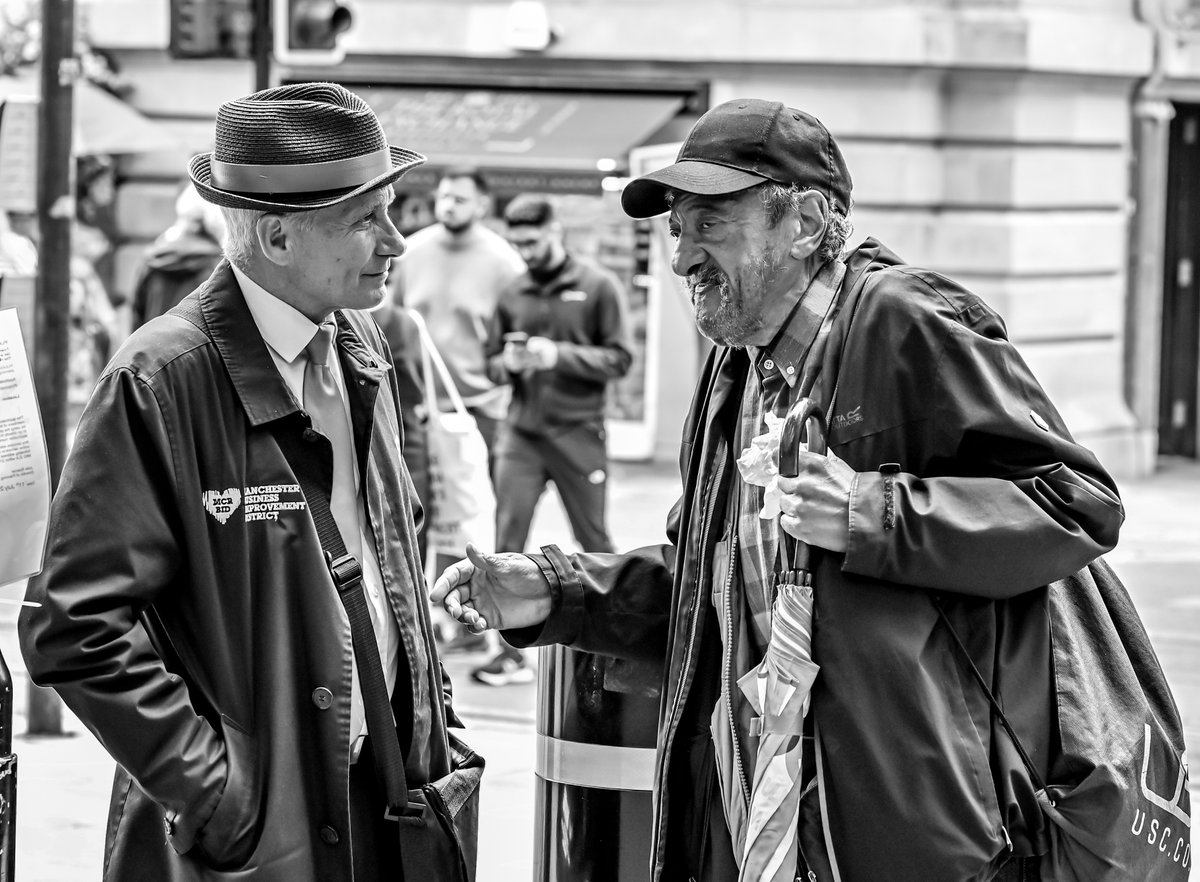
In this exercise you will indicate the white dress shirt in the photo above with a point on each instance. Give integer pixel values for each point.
(286, 332)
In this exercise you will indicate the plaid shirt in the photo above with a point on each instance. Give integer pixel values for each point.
(774, 383)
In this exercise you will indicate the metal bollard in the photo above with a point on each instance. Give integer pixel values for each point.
(597, 724)
(8, 779)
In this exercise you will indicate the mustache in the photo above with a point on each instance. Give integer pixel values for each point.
(707, 275)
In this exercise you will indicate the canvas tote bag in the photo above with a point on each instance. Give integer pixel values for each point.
(1116, 801)
(463, 502)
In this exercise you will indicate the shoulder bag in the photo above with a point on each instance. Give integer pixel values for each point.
(1115, 801)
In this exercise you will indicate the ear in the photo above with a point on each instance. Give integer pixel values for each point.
(810, 224)
(483, 206)
(275, 239)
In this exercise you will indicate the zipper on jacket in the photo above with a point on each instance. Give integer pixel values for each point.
(672, 718)
(727, 685)
(810, 873)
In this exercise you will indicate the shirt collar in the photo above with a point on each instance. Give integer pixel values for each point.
(784, 356)
(283, 327)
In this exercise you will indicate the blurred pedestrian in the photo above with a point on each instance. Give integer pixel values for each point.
(181, 258)
(94, 329)
(260, 715)
(452, 274)
(950, 474)
(558, 338)
(400, 331)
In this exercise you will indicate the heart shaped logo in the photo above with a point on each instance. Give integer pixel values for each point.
(222, 503)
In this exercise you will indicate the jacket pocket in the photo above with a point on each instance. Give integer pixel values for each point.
(228, 839)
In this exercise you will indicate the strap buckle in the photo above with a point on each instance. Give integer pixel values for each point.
(345, 570)
(410, 813)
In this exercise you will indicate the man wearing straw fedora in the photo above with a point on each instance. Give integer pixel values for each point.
(949, 471)
(232, 600)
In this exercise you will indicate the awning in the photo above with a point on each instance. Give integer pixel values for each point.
(103, 123)
(563, 131)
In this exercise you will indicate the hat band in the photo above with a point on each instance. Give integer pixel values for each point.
(308, 177)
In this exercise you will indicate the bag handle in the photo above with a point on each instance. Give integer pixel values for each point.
(1034, 775)
(431, 361)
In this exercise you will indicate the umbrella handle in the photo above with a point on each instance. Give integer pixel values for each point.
(805, 414)
(805, 418)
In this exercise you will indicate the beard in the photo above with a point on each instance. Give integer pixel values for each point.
(458, 226)
(737, 317)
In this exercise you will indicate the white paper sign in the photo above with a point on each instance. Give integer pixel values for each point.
(24, 467)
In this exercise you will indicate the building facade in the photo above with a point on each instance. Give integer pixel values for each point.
(1040, 151)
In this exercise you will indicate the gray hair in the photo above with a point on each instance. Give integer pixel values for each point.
(784, 199)
(241, 240)
(781, 200)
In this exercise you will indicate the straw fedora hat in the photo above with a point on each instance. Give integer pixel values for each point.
(297, 148)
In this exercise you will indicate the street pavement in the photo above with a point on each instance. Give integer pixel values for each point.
(64, 781)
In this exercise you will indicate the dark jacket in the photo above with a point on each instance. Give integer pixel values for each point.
(404, 343)
(993, 501)
(188, 617)
(172, 269)
(581, 308)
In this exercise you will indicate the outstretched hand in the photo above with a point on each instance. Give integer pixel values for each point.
(488, 590)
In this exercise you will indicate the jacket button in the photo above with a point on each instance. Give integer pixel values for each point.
(330, 836)
(322, 698)
(311, 435)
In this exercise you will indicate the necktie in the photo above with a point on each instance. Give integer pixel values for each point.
(324, 404)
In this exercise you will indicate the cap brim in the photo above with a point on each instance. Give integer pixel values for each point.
(200, 171)
(646, 196)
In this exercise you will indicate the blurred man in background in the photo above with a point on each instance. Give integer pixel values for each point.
(558, 338)
(452, 275)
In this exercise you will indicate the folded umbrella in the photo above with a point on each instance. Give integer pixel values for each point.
(779, 688)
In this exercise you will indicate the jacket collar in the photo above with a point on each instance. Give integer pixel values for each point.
(785, 356)
(262, 391)
(568, 275)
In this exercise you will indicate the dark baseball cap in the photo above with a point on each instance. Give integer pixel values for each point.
(741, 143)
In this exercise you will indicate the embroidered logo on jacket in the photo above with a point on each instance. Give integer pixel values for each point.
(265, 502)
(262, 502)
(574, 296)
(846, 420)
(222, 503)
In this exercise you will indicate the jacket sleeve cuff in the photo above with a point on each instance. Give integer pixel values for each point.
(566, 611)
(870, 527)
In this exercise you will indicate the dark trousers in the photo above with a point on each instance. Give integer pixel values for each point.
(575, 459)
(374, 840)
(489, 428)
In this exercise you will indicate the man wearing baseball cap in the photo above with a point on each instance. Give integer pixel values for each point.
(949, 472)
(232, 598)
